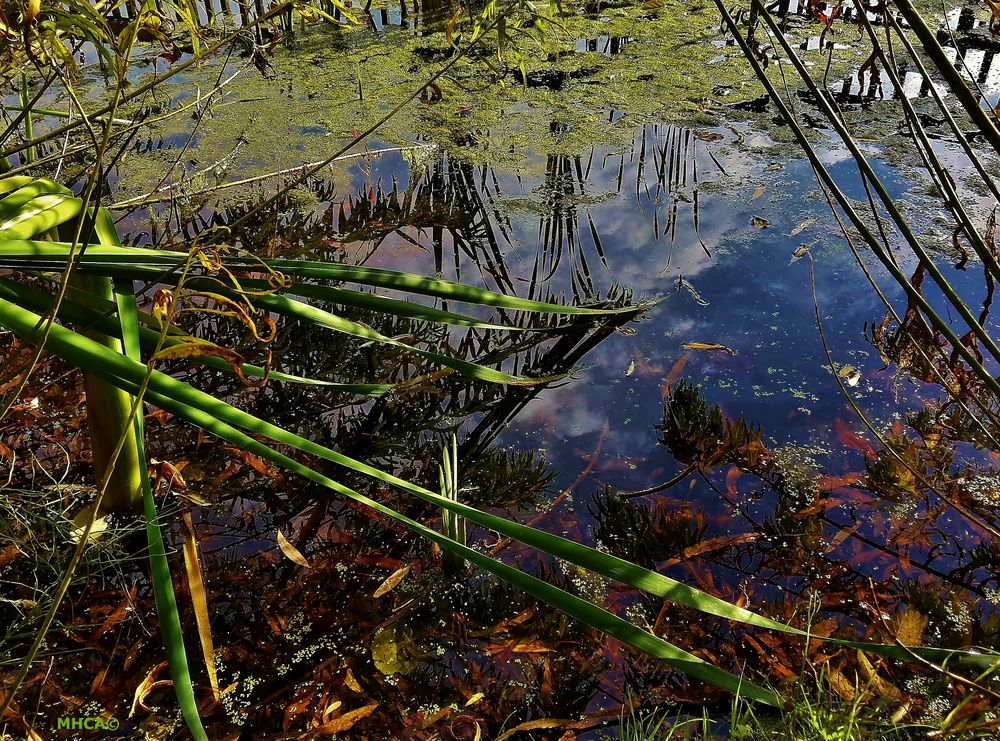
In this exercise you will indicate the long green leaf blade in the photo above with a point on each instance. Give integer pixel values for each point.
(163, 588)
(132, 258)
(82, 352)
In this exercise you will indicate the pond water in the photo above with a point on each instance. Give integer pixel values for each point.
(677, 215)
(546, 191)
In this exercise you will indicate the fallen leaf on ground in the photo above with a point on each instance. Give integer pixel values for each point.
(351, 682)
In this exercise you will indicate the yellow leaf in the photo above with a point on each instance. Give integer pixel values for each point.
(80, 524)
(802, 249)
(449, 31)
(390, 583)
(148, 685)
(844, 688)
(31, 10)
(351, 682)
(910, 627)
(708, 346)
(389, 651)
(533, 725)
(199, 600)
(474, 699)
(291, 551)
(881, 686)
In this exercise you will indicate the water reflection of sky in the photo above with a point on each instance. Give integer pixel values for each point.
(743, 290)
(756, 299)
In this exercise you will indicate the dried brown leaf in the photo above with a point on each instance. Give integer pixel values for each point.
(345, 722)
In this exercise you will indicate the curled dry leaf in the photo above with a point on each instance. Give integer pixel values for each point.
(192, 349)
(760, 222)
(149, 685)
(163, 301)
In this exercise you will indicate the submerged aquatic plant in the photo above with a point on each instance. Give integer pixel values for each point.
(701, 435)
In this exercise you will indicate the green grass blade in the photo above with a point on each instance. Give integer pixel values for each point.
(367, 301)
(15, 182)
(187, 400)
(391, 279)
(39, 215)
(313, 314)
(171, 633)
(86, 316)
